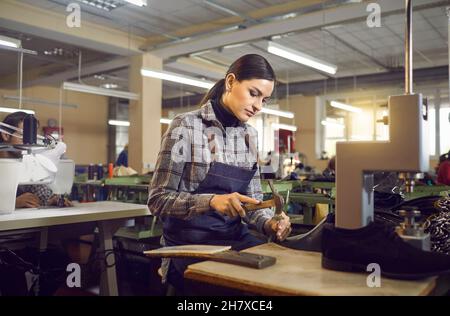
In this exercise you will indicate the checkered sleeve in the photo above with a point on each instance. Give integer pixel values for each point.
(42, 191)
(165, 198)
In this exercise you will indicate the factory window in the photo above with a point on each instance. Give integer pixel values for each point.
(443, 142)
(381, 129)
(368, 125)
(334, 132)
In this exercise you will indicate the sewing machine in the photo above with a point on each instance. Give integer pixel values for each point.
(39, 164)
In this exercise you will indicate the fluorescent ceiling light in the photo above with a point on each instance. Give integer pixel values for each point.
(118, 123)
(301, 58)
(140, 3)
(277, 112)
(101, 4)
(10, 42)
(165, 121)
(110, 86)
(100, 91)
(292, 128)
(332, 123)
(345, 107)
(174, 77)
(12, 110)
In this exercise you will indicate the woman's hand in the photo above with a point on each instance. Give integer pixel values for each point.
(231, 204)
(27, 200)
(280, 228)
(54, 201)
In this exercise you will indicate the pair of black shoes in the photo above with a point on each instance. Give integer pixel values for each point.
(354, 249)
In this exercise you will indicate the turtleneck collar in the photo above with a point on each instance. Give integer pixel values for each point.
(223, 115)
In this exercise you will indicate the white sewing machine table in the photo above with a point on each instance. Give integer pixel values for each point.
(108, 216)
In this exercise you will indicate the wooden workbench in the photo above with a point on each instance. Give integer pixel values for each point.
(298, 273)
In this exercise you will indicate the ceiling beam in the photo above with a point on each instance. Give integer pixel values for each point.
(208, 27)
(44, 23)
(305, 22)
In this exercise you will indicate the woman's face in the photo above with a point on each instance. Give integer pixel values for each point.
(11, 139)
(247, 97)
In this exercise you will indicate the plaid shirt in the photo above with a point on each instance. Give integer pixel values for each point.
(42, 191)
(191, 142)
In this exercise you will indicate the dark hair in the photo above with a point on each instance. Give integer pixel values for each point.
(14, 119)
(247, 67)
(444, 157)
(332, 163)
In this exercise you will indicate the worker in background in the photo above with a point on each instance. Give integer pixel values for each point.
(122, 160)
(269, 174)
(28, 196)
(443, 170)
(201, 200)
(330, 170)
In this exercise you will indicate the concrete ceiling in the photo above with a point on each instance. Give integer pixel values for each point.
(158, 17)
(355, 48)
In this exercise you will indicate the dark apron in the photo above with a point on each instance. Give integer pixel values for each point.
(211, 228)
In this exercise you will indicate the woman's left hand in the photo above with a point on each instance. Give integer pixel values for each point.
(54, 201)
(280, 228)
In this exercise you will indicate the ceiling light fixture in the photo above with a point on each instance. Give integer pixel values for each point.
(106, 5)
(346, 107)
(165, 121)
(291, 128)
(277, 113)
(110, 86)
(10, 42)
(332, 123)
(118, 123)
(174, 77)
(12, 110)
(301, 58)
(100, 91)
(140, 3)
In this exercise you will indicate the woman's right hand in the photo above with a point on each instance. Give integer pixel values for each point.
(231, 204)
(27, 200)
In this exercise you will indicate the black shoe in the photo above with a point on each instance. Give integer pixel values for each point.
(354, 249)
(310, 241)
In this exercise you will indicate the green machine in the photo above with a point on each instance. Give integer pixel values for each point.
(307, 194)
(129, 189)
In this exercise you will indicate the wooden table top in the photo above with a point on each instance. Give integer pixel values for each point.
(299, 273)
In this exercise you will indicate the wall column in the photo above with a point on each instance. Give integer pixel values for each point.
(307, 111)
(144, 115)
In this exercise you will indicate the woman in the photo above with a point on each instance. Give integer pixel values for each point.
(28, 196)
(207, 168)
(443, 169)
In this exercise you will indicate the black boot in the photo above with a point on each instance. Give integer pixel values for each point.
(354, 249)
